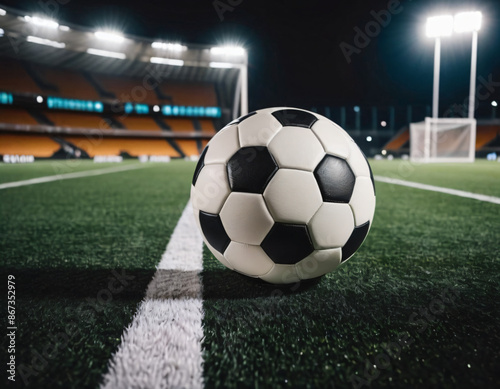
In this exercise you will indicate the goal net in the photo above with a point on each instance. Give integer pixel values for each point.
(443, 140)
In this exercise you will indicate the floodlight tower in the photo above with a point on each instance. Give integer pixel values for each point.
(437, 27)
(470, 22)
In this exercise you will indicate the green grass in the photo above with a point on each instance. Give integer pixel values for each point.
(19, 172)
(422, 245)
(425, 252)
(63, 241)
(481, 177)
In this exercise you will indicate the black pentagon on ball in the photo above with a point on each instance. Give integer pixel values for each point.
(335, 179)
(250, 169)
(241, 118)
(370, 168)
(214, 231)
(199, 165)
(357, 237)
(287, 243)
(295, 117)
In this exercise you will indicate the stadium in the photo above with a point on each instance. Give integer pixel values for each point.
(109, 116)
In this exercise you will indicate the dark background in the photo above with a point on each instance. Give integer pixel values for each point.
(294, 49)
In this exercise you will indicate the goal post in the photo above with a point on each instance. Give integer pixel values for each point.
(443, 140)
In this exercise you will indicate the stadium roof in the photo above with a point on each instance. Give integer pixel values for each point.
(32, 38)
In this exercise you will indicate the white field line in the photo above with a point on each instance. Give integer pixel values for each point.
(161, 348)
(67, 176)
(454, 192)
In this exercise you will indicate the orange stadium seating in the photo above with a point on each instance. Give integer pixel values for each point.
(16, 116)
(36, 145)
(127, 89)
(77, 120)
(115, 146)
(207, 125)
(18, 77)
(398, 140)
(181, 125)
(139, 123)
(70, 84)
(190, 94)
(189, 147)
(14, 78)
(485, 134)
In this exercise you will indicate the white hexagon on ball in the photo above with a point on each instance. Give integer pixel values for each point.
(227, 144)
(363, 200)
(331, 226)
(296, 148)
(211, 189)
(258, 129)
(293, 196)
(245, 218)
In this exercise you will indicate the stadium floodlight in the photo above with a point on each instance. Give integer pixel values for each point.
(106, 53)
(221, 65)
(45, 42)
(227, 50)
(470, 22)
(168, 46)
(167, 61)
(467, 21)
(439, 26)
(41, 22)
(64, 28)
(3, 12)
(111, 36)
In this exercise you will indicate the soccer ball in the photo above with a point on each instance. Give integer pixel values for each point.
(283, 194)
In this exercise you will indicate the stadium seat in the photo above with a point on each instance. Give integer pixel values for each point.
(70, 84)
(77, 120)
(127, 89)
(116, 146)
(181, 125)
(190, 93)
(485, 134)
(15, 78)
(207, 125)
(399, 140)
(16, 116)
(139, 123)
(37, 145)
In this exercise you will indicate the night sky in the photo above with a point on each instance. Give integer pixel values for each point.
(295, 55)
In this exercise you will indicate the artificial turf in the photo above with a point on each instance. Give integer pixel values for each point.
(428, 270)
(64, 242)
(426, 279)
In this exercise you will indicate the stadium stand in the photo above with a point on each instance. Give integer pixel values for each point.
(59, 98)
(15, 78)
(190, 94)
(141, 123)
(16, 116)
(486, 134)
(69, 84)
(77, 120)
(117, 146)
(126, 89)
(399, 140)
(36, 145)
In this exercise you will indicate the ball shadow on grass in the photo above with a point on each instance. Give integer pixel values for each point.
(227, 284)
